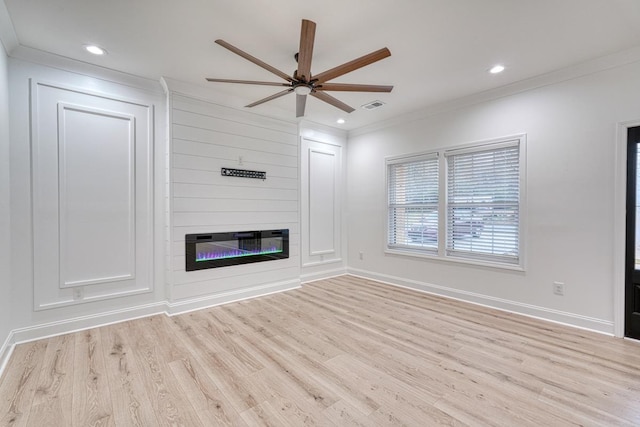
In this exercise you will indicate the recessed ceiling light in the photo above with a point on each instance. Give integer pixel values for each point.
(496, 69)
(96, 50)
(340, 121)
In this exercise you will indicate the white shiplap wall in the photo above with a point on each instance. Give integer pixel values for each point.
(205, 137)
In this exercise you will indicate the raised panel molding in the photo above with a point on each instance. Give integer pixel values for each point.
(96, 175)
(322, 202)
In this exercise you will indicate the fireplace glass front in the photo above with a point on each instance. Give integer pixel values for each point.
(211, 250)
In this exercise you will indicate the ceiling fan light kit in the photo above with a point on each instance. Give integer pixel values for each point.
(302, 90)
(303, 83)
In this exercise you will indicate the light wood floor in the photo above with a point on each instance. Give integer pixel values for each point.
(337, 352)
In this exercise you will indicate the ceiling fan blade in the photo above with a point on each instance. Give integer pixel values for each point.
(333, 101)
(301, 102)
(253, 59)
(347, 87)
(248, 82)
(269, 98)
(305, 53)
(352, 65)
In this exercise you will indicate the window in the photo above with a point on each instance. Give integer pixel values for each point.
(483, 202)
(471, 211)
(413, 196)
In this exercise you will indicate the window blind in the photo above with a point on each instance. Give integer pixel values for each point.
(413, 203)
(483, 203)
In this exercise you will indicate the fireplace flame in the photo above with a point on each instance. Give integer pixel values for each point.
(235, 253)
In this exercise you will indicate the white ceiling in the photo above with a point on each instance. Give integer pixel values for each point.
(441, 49)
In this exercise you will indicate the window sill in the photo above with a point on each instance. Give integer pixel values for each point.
(455, 260)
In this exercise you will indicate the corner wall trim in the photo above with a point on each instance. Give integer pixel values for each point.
(543, 313)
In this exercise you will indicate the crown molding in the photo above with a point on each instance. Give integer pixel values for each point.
(593, 66)
(308, 128)
(63, 63)
(8, 35)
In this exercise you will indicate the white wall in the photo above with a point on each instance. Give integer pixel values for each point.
(27, 323)
(571, 139)
(205, 137)
(5, 248)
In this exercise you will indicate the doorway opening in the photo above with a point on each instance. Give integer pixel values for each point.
(632, 248)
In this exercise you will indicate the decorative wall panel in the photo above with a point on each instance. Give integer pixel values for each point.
(96, 157)
(322, 201)
(92, 196)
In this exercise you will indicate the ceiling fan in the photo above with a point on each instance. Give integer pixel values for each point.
(302, 82)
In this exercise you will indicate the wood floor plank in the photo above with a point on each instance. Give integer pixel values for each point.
(228, 381)
(91, 402)
(53, 397)
(221, 342)
(263, 415)
(282, 393)
(409, 405)
(171, 405)
(18, 390)
(193, 376)
(345, 351)
(281, 323)
(342, 414)
(254, 337)
(287, 349)
(131, 403)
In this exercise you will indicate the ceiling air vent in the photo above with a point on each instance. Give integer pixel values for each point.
(373, 105)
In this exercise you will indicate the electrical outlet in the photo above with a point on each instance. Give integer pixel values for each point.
(558, 288)
(361, 256)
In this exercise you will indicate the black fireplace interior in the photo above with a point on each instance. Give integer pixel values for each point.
(212, 250)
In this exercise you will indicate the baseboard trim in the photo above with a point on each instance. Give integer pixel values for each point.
(542, 313)
(193, 304)
(81, 323)
(51, 329)
(320, 275)
(76, 324)
(5, 352)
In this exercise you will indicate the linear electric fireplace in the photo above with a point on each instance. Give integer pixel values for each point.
(211, 250)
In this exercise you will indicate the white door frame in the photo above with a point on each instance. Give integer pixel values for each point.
(619, 225)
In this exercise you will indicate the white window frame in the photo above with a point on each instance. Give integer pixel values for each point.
(441, 253)
(405, 161)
